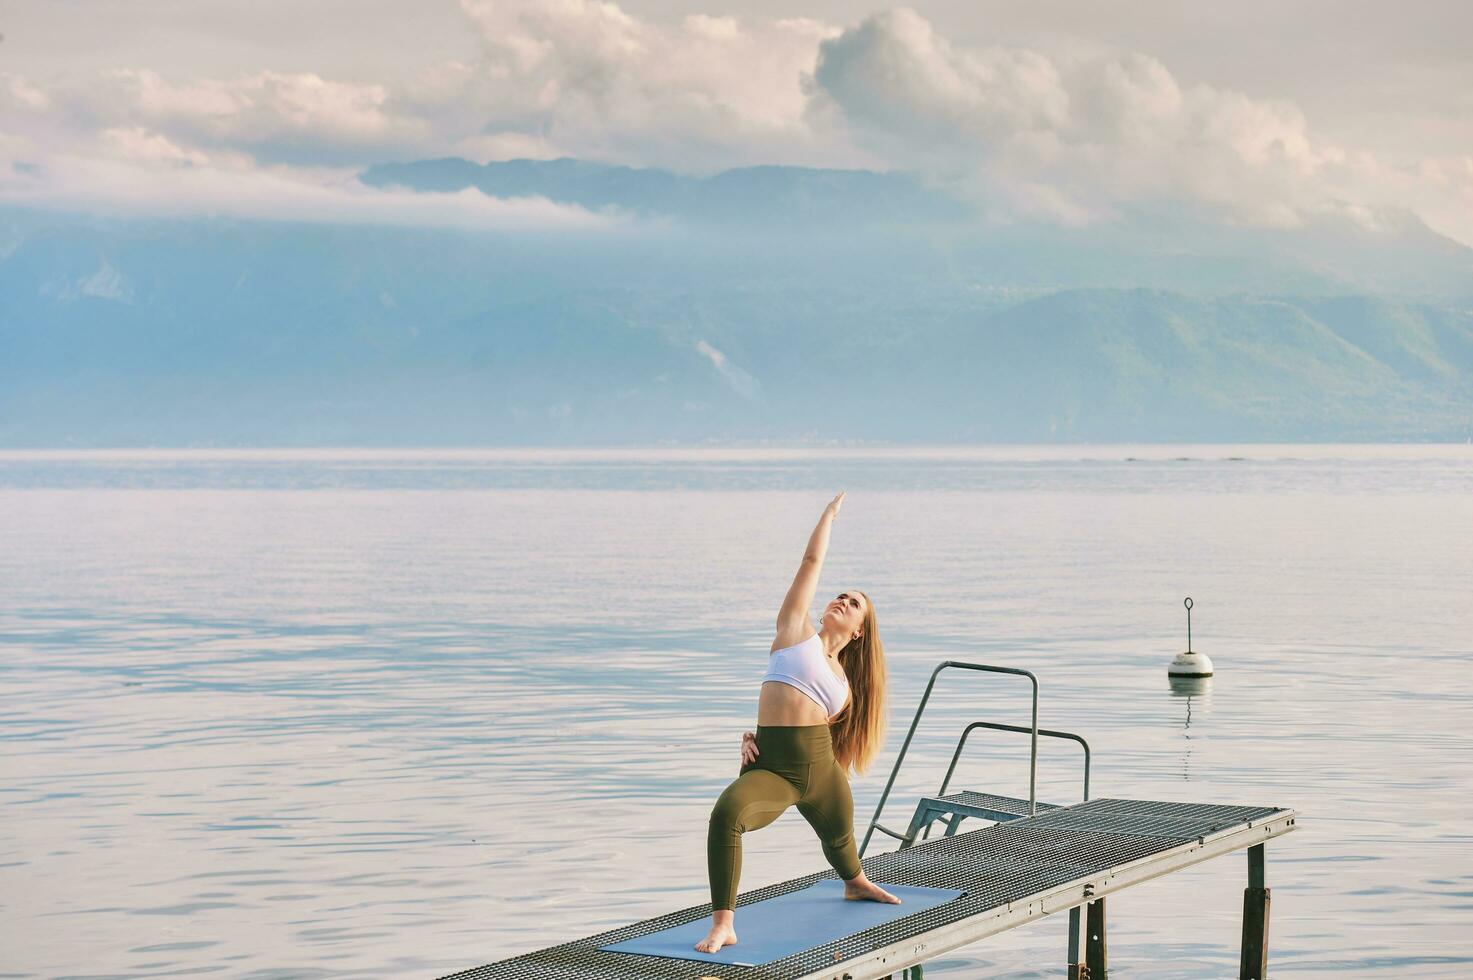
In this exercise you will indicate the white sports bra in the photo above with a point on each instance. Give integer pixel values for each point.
(805, 667)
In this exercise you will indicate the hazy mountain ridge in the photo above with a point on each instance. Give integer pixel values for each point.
(743, 195)
(1166, 366)
(251, 333)
(1385, 252)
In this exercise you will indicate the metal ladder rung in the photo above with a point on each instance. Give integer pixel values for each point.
(893, 833)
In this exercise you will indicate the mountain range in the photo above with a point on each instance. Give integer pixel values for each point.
(767, 303)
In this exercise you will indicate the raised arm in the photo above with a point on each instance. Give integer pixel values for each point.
(793, 624)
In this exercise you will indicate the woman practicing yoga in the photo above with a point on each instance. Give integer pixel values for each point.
(821, 713)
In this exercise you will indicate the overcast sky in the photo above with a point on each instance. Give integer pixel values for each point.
(1258, 112)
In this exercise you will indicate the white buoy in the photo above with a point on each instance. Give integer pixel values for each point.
(1191, 663)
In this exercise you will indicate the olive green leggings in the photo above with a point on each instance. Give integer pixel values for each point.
(794, 764)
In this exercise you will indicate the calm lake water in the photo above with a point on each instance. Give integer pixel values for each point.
(369, 713)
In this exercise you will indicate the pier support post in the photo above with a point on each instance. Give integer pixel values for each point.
(1077, 969)
(1095, 957)
(1254, 962)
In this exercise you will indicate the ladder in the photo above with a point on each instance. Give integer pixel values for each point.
(952, 809)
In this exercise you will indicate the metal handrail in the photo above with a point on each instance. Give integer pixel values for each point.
(999, 726)
(1033, 743)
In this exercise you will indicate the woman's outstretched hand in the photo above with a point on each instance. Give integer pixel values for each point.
(749, 747)
(833, 508)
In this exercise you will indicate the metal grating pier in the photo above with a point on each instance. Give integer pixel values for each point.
(1013, 872)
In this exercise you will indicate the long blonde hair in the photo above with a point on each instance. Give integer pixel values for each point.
(858, 729)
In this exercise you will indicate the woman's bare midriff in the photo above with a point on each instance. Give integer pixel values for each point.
(784, 704)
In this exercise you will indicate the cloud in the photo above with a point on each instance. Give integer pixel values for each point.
(18, 93)
(1076, 138)
(1076, 134)
(147, 146)
(898, 80)
(586, 76)
(273, 114)
(136, 172)
(1068, 139)
(138, 144)
(563, 77)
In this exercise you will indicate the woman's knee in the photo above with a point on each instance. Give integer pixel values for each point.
(729, 806)
(726, 811)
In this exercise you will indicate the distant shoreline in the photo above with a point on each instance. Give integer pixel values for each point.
(981, 452)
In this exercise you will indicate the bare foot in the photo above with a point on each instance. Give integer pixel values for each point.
(721, 934)
(861, 888)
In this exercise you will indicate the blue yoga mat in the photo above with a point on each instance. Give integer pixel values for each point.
(788, 924)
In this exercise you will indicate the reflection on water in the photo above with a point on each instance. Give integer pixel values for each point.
(1191, 689)
(372, 714)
